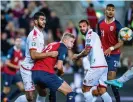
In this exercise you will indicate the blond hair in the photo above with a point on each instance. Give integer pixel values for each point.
(67, 35)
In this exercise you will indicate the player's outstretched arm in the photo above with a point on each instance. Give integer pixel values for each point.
(8, 63)
(82, 54)
(35, 55)
(119, 44)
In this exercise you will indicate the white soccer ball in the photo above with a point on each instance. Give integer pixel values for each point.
(126, 34)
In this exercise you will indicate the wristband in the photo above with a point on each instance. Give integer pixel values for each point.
(112, 48)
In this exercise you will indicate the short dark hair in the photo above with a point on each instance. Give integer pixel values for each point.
(110, 5)
(83, 20)
(38, 14)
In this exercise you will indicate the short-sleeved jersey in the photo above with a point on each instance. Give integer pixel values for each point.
(96, 55)
(15, 56)
(109, 34)
(35, 40)
(47, 64)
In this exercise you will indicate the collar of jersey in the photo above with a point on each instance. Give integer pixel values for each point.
(37, 30)
(112, 20)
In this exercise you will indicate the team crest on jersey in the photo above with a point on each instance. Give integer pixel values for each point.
(33, 44)
(111, 28)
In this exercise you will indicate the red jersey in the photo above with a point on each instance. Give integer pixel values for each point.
(14, 56)
(109, 34)
(47, 64)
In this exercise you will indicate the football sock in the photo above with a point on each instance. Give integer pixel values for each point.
(40, 98)
(116, 93)
(14, 94)
(126, 76)
(21, 98)
(3, 95)
(52, 96)
(106, 97)
(88, 96)
(71, 97)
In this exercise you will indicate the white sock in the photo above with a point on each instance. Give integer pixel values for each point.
(21, 98)
(126, 76)
(94, 97)
(40, 98)
(106, 97)
(88, 96)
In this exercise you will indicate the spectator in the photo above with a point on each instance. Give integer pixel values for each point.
(24, 21)
(92, 18)
(3, 21)
(4, 44)
(54, 25)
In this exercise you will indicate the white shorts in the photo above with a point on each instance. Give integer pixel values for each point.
(27, 79)
(95, 77)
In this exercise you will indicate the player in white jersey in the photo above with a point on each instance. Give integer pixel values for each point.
(34, 46)
(98, 72)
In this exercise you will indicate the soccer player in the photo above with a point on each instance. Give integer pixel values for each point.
(14, 56)
(34, 45)
(43, 72)
(108, 30)
(98, 72)
(124, 78)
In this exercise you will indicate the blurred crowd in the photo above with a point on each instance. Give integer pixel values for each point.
(16, 21)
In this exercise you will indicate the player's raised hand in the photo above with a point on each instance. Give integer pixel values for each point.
(53, 53)
(107, 52)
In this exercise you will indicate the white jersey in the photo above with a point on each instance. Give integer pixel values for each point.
(96, 54)
(35, 40)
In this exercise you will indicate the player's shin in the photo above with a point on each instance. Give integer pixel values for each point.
(71, 97)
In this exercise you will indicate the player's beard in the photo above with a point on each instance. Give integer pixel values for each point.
(40, 26)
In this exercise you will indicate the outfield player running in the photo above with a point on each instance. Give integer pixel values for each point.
(108, 30)
(124, 78)
(98, 72)
(14, 56)
(34, 46)
(43, 72)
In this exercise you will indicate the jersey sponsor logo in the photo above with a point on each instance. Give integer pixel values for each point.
(33, 43)
(88, 40)
(111, 28)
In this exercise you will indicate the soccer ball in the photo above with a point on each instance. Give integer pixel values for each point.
(126, 34)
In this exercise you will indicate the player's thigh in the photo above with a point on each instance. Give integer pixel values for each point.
(103, 78)
(65, 88)
(27, 79)
(41, 89)
(92, 77)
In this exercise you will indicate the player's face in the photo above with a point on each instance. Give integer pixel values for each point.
(41, 22)
(70, 43)
(18, 43)
(83, 27)
(110, 12)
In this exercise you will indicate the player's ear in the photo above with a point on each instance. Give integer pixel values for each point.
(35, 21)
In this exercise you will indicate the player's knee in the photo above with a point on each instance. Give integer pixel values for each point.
(102, 90)
(85, 89)
(43, 92)
(95, 93)
(6, 90)
(68, 91)
(30, 96)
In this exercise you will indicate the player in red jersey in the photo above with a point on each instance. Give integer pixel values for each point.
(108, 30)
(43, 72)
(15, 55)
